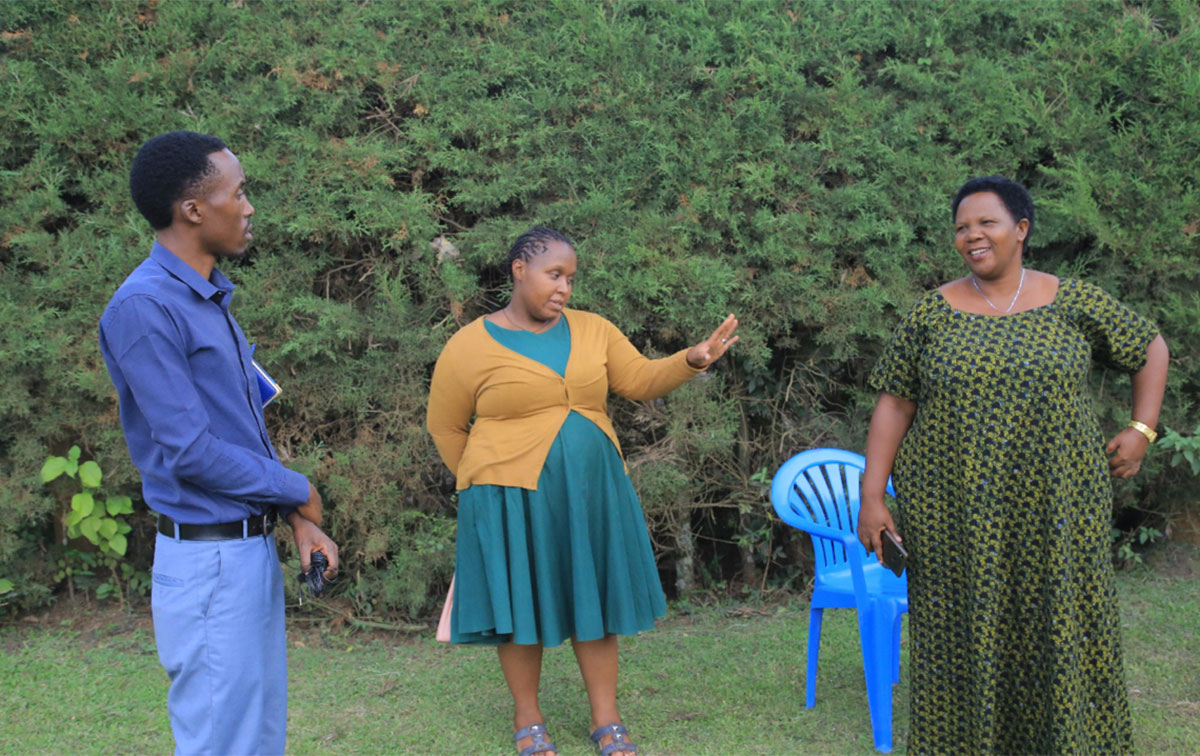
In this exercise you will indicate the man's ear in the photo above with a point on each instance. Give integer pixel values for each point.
(190, 210)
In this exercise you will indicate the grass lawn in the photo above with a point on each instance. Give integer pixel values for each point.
(719, 680)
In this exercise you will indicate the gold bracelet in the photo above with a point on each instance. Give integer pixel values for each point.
(1144, 429)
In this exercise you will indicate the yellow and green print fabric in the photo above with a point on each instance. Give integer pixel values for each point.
(1004, 501)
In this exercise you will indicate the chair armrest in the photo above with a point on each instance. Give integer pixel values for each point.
(855, 553)
(831, 534)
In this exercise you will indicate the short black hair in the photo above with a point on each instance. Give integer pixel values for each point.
(166, 168)
(535, 241)
(1013, 194)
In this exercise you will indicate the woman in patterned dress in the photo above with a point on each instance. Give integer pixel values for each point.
(1003, 492)
(552, 542)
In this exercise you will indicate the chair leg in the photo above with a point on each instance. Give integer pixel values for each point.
(896, 649)
(876, 634)
(814, 648)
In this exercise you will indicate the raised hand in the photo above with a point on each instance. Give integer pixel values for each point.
(710, 350)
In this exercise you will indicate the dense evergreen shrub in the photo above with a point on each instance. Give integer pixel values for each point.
(788, 161)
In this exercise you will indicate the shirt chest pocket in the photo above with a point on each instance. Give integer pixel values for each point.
(215, 346)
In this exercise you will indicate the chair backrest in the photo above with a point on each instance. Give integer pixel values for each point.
(821, 487)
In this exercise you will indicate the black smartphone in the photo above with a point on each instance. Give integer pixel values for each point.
(894, 555)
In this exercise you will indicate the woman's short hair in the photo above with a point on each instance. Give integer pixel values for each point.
(1015, 197)
(535, 241)
(166, 169)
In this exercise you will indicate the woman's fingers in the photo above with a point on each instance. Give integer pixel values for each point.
(710, 350)
(877, 544)
(723, 338)
(868, 534)
(724, 331)
(874, 542)
(1126, 451)
(1122, 468)
(874, 518)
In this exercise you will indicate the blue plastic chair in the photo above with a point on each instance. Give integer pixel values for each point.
(817, 491)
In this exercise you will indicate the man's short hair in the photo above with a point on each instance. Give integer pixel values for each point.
(166, 169)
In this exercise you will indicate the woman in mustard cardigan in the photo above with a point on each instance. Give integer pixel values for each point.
(552, 542)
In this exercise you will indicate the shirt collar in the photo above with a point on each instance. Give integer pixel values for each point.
(216, 284)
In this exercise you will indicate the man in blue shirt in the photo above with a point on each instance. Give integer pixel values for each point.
(193, 421)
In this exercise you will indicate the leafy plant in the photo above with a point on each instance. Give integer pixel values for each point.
(101, 522)
(1185, 449)
(1124, 542)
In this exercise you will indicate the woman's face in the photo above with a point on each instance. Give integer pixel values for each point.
(986, 235)
(542, 284)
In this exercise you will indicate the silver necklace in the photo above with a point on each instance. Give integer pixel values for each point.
(517, 325)
(1010, 304)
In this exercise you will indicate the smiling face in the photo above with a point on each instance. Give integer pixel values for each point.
(987, 236)
(542, 284)
(224, 209)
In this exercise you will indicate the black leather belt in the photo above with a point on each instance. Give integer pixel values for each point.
(257, 525)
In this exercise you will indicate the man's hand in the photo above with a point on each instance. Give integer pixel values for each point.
(310, 538)
(313, 510)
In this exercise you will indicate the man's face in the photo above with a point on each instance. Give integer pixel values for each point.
(225, 211)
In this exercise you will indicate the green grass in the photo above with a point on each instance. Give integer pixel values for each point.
(719, 680)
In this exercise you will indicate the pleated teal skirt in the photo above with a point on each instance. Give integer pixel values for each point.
(570, 560)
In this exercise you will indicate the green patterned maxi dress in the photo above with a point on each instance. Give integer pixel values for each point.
(1004, 502)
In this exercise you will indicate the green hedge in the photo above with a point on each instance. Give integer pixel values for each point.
(788, 161)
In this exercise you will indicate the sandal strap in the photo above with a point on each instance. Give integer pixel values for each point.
(540, 744)
(619, 739)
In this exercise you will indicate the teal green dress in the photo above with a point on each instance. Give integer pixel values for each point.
(571, 559)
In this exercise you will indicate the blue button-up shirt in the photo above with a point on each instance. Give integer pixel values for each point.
(189, 399)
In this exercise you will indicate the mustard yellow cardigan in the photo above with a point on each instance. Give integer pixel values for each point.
(519, 404)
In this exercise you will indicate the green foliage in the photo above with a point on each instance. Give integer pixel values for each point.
(790, 162)
(101, 523)
(1124, 542)
(1184, 449)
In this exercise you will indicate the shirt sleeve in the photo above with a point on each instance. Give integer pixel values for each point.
(451, 407)
(147, 346)
(637, 377)
(1118, 335)
(897, 372)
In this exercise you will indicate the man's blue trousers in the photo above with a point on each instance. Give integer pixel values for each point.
(218, 624)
